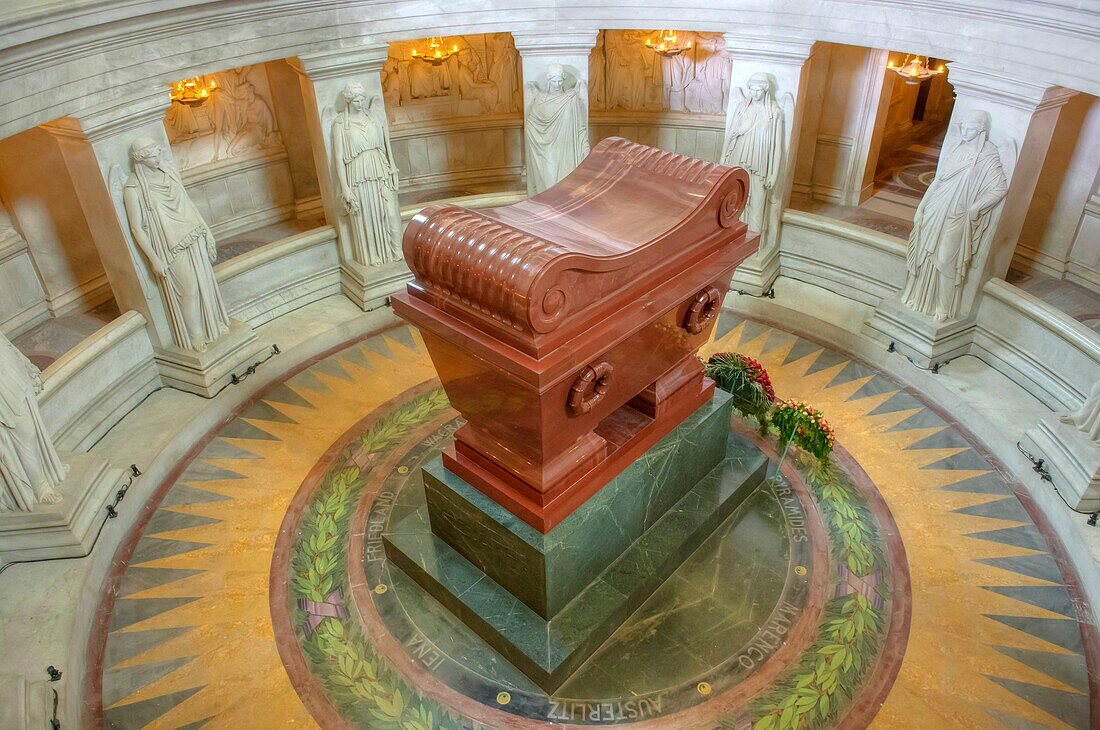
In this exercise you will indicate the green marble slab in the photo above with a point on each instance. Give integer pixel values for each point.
(549, 651)
(546, 572)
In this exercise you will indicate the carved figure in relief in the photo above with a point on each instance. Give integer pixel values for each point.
(625, 74)
(367, 177)
(394, 83)
(677, 73)
(179, 246)
(236, 120)
(470, 80)
(708, 92)
(629, 68)
(556, 130)
(30, 469)
(504, 71)
(427, 81)
(1086, 419)
(249, 123)
(954, 219)
(756, 140)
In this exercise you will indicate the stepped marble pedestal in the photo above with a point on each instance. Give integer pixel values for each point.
(1071, 458)
(546, 602)
(66, 529)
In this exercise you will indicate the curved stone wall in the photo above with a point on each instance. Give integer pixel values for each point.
(97, 54)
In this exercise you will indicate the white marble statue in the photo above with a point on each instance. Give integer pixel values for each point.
(953, 219)
(1087, 418)
(30, 469)
(756, 141)
(179, 246)
(367, 176)
(597, 74)
(556, 130)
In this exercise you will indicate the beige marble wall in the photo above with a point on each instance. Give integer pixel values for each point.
(22, 299)
(290, 113)
(696, 135)
(37, 182)
(1084, 262)
(847, 100)
(1061, 233)
(457, 156)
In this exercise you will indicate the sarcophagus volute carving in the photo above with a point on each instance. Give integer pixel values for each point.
(565, 328)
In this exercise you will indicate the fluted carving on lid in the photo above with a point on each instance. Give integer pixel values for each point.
(484, 263)
(662, 162)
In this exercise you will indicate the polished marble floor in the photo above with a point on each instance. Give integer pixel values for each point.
(253, 594)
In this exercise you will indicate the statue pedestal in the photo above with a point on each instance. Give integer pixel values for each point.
(25, 702)
(917, 336)
(206, 373)
(370, 286)
(547, 601)
(757, 273)
(1071, 458)
(66, 529)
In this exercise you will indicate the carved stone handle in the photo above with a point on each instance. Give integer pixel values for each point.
(704, 308)
(589, 388)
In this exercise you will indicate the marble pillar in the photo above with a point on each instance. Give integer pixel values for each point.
(785, 64)
(101, 168)
(1021, 120)
(539, 53)
(369, 273)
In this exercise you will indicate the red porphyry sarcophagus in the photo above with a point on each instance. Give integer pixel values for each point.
(565, 328)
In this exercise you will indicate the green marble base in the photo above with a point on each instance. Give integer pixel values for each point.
(547, 571)
(549, 651)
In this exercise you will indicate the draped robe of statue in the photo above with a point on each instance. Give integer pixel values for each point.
(944, 238)
(755, 142)
(372, 179)
(1087, 418)
(30, 470)
(557, 136)
(180, 237)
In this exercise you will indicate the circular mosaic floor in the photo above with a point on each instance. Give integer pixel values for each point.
(259, 590)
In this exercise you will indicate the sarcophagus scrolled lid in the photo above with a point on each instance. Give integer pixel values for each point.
(565, 328)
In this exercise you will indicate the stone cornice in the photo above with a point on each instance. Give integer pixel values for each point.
(116, 117)
(341, 62)
(750, 47)
(549, 43)
(999, 88)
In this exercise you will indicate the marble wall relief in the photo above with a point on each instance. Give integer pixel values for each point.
(956, 217)
(30, 469)
(482, 78)
(237, 121)
(625, 74)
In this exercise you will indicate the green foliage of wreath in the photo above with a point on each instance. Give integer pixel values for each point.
(852, 632)
(747, 381)
(355, 677)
